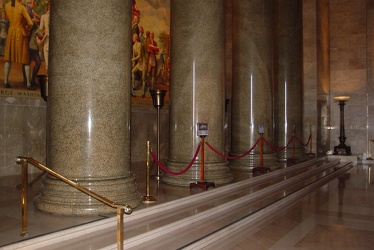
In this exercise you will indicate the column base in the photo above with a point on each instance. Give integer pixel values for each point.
(57, 197)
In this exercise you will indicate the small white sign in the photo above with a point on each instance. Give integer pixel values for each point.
(202, 129)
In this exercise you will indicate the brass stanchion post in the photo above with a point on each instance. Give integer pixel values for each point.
(147, 198)
(261, 151)
(291, 158)
(293, 145)
(311, 154)
(202, 184)
(369, 150)
(311, 140)
(202, 177)
(261, 168)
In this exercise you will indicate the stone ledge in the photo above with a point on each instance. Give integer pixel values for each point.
(354, 158)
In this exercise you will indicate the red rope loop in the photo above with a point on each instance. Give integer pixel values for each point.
(232, 157)
(301, 143)
(171, 172)
(278, 149)
(293, 137)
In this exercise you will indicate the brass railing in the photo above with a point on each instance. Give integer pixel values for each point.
(127, 209)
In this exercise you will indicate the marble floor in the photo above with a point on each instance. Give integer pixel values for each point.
(331, 217)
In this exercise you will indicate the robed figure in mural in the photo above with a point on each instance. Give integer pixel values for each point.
(44, 27)
(17, 44)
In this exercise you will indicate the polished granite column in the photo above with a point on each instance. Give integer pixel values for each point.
(288, 98)
(88, 139)
(252, 82)
(196, 90)
(323, 76)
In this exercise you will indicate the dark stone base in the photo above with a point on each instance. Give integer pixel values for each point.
(342, 149)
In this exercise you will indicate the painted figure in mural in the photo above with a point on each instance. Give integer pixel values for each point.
(44, 27)
(16, 47)
(135, 11)
(137, 59)
(141, 35)
(161, 70)
(4, 26)
(135, 25)
(145, 57)
(34, 35)
(152, 51)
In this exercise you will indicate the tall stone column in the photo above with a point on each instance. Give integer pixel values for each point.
(252, 82)
(288, 98)
(323, 76)
(196, 89)
(88, 113)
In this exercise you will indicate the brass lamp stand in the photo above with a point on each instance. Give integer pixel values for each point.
(158, 97)
(342, 149)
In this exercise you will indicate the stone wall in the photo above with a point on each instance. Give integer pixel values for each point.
(23, 132)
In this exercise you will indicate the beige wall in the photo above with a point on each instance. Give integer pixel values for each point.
(348, 71)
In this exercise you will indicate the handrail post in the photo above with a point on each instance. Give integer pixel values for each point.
(24, 196)
(120, 228)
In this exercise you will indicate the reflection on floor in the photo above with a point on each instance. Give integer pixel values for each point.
(332, 217)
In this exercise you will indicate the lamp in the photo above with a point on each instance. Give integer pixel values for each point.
(158, 102)
(342, 149)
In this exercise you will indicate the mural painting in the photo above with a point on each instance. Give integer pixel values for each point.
(19, 78)
(150, 50)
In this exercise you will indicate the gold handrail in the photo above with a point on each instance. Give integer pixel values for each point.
(127, 209)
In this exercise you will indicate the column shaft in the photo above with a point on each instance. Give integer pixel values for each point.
(288, 97)
(252, 82)
(88, 113)
(323, 76)
(196, 89)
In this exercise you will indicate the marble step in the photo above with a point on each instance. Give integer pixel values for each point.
(211, 221)
(207, 211)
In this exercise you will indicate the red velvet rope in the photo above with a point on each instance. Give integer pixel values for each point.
(232, 157)
(301, 143)
(226, 156)
(278, 149)
(171, 172)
